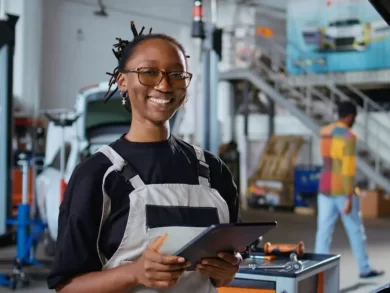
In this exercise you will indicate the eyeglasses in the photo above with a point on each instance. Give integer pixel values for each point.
(152, 76)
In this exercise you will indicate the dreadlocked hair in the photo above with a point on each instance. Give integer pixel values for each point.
(124, 49)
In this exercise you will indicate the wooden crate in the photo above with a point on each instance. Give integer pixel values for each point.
(278, 159)
(277, 163)
(374, 204)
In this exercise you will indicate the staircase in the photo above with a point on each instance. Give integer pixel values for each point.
(307, 104)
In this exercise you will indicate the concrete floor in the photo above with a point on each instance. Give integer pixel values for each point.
(291, 229)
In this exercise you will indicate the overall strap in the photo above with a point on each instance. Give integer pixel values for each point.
(122, 167)
(203, 167)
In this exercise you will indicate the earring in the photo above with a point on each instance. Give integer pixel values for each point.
(124, 98)
(125, 101)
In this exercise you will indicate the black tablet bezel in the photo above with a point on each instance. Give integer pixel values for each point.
(212, 228)
(380, 8)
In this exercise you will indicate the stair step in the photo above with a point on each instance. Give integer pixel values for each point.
(318, 111)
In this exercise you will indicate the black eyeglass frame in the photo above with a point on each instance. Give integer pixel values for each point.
(163, 73)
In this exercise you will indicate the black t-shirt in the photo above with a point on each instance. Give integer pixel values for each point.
(169, 161)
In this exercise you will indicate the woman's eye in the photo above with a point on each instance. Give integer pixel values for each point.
(150, 72)
(178, 75)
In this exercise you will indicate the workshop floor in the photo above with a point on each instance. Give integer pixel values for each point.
(292, 228)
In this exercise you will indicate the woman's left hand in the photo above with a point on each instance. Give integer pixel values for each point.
(221, 270)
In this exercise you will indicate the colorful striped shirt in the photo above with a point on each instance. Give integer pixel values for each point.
(338, 151)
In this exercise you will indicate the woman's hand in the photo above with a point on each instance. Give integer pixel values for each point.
(155, 270)
(221, 270)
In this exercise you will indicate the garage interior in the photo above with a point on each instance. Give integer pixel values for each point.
(256, 100)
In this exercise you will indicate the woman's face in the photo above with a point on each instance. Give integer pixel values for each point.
(154, 103)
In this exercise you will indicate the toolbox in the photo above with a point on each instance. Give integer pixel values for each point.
(318, 274)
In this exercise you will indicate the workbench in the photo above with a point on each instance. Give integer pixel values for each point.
(319, 274)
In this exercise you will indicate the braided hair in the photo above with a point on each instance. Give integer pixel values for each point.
(124, 49)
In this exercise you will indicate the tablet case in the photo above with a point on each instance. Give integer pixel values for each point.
(223, 238)
(383, 8)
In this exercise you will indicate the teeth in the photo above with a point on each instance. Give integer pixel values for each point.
(159, 101)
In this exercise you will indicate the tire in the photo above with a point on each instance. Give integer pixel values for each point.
(49, 245)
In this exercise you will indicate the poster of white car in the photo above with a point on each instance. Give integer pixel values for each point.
(345, 34)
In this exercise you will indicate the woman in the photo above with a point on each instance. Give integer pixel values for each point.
(132, 204)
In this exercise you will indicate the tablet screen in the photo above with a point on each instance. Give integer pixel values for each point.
(223, 238)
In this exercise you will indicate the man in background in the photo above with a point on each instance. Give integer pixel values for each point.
(336, 195)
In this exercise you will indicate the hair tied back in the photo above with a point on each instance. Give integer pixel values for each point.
(119, 48)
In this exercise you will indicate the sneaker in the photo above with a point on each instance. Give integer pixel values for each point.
(372, 274)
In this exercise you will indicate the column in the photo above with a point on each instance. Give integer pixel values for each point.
(28, 51)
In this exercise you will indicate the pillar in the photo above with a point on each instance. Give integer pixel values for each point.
(28, 51)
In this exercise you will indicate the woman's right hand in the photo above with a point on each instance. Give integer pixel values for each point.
(155, 270)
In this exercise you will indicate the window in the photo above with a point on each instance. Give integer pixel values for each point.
(100, 114)
(111, 117)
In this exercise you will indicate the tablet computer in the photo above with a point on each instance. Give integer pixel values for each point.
(383, 8)
(223, 238)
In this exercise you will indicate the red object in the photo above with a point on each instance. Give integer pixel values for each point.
(197, 11)
(62, 189)
(28, 122)
(17, 194)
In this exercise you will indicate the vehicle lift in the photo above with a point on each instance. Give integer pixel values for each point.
(29, 229)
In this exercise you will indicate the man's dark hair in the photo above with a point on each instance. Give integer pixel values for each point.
(124, 49)
(346, 108)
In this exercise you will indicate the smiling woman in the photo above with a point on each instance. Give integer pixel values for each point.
(128, 208)
(142, 57)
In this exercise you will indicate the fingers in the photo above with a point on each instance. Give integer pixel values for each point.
(233, 259)
(158, 242)
(153, 256)
(211, 272)
(222, 268)
(347, 210)
(225, 260)
(163, 276)
(160, 284)
(216, 263)
(158, 267)
(161, 271)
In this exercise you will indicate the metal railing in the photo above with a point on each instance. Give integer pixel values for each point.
(381, 129)
(372, 140)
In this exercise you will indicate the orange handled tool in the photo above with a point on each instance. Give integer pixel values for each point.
(284, 249)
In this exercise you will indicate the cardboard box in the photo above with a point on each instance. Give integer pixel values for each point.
(374, 204)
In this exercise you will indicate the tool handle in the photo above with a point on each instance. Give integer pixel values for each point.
(284, 249)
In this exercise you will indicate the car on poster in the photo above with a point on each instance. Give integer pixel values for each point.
(346, 34)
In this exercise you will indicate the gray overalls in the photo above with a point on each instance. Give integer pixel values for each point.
(138, 234)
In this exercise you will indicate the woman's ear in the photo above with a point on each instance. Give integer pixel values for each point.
(122, 82)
